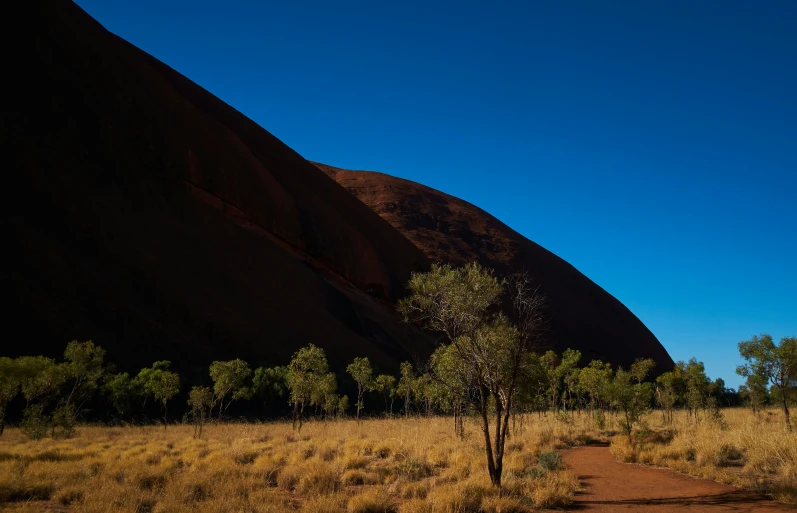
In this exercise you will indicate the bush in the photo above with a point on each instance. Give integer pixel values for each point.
(550, 461)
(64, 421)
(35, 423)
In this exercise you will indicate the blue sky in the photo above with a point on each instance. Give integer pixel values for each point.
(653, 145)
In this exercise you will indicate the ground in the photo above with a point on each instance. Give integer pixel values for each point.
(414, 465)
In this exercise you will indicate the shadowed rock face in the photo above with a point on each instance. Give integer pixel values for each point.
(146, 214)
(143, 212)
(581, 315)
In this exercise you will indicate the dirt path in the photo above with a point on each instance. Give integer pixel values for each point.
(613, 486)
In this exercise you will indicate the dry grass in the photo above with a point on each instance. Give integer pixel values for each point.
(414, 465)
(753, 452)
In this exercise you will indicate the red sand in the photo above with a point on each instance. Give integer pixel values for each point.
(613, 486)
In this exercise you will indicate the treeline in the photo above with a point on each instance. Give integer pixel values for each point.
(56, 393)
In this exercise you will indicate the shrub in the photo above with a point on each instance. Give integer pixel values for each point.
(35, 423)
(550, 461)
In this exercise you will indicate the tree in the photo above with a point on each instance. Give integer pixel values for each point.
(9, 386)
(306, 371)
(670, 388)
(200, 399)
(452, 372)
(385, 384)
(774, 363)
(595, 380)
(754, 391)
(343, 405)
(159, 382)
(696, 386)
(566, 375)
(40, 381)
(462, 304)
(120, 390)
(360, 369)
(270, 383)
(229, 378)
(325, 395)
(630, 395)
(84, 366)
(405, 385)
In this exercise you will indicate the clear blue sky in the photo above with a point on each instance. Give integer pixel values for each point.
(653, 145)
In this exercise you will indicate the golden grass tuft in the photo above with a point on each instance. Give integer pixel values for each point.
(375, 500)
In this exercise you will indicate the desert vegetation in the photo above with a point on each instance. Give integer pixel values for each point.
(406, 465)
(476, 426)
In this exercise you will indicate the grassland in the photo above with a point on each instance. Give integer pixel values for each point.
(408, 466)
(413, 465)
(744, 450)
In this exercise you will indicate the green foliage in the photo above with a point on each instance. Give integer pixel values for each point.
(270, 383)
(385, 384)
(200, 399)
(629, 395)
(776, 364)
(670, 388)
(84, 366)
(64, 420)
(35, 424)
(360, 369)
(10, 380)
(160, 383)
(406, 385)
(550, 461)
(120, 391)
(453, 301)
(307, 380)
(343, 405)
(463, 304)
(229, 378)
(40, 378)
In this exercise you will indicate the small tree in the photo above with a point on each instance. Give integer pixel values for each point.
(461, 304)
(229, 378)
(120, 391)
(306, 372)
(200, 399)
(595, 380)
(754, 391)
(670, 389)
(385, 384)
(405, 385)
(159, 382)
(9, 386)
(325, 396)
(343, 405)
(696, 385)
(360, 369)
(269, 383)
(630, 395)
(40, 382)
(84, 366)
(451, 371)
(566, 375)
(774, 363)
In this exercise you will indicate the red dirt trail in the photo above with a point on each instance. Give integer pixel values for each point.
(613, 486)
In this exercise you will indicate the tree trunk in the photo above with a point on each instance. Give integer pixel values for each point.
(494, 479)
(785, 407)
